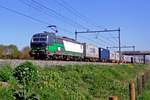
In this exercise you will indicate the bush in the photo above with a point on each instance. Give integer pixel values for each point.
(6, 73)
(25, 73)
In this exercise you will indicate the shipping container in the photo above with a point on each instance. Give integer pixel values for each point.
(104, 54)
(138, 59)
(114, 56)
(117, 56)
(128, 58)
(91, 51)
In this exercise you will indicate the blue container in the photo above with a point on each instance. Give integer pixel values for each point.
(104, 54)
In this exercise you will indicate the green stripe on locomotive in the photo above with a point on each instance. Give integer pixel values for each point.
(54, 47)
(57, 47)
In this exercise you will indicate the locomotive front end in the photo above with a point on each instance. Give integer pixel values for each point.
(38, 45)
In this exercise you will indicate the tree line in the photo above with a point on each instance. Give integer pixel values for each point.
(12, 52)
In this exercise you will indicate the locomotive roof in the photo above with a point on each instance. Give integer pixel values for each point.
(68, 39)
(43, 34)
(53, 34)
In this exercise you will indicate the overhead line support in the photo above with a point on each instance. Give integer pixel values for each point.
(116, 30)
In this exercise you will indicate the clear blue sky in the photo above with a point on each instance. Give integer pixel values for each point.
(132, 16)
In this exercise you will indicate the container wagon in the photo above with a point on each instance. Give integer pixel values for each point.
(114, 57)
(91, 52)
(138, 59)
(127, 59)
(104, 55)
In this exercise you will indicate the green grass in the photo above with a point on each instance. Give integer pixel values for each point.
(80, 82)
(146, 93)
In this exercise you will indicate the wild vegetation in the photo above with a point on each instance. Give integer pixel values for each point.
(71, 82)
(12, 52)
(146, 94)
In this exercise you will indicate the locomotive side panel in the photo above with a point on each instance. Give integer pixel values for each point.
(72, 48)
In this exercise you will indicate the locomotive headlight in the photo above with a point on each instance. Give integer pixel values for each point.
(46, 48)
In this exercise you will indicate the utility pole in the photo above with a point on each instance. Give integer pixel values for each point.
(119, 39)
(117, 30)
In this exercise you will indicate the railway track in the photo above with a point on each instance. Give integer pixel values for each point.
(42, 63)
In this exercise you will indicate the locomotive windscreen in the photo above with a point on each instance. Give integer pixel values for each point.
(33, 45)
(39, 39)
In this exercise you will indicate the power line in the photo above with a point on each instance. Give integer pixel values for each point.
(58, 14)
(114, 42)
(32, 18)
(37, 20)
(71, 11)
(101, 40)
(85, 37)
(59, 27)
(36, 7)
(49, 15)
(92, 40)
(44, 13)
(78, 14)
(27, 16)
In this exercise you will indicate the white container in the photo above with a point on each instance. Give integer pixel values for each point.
(127, 58)
(91, 50)
(138, 59)
(117, 56)
(114, 56)
(73, 47)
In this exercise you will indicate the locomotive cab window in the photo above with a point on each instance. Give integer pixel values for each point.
(39, 39)
(35, 39)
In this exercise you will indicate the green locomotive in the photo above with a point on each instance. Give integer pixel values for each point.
(49, 46)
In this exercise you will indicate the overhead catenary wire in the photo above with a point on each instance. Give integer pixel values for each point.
(48, 14)
(27, 16)
(81, 16)
(32, 18)
(58, 14)
(48, 9)
(76, 13)
(60, 28)
(41, 9)
(100, 40)
(22, 14)
(87, 38)
(72, 12)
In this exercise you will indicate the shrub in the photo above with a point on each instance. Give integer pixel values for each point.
(25, 73)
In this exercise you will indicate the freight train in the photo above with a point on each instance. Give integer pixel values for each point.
(47, 45)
